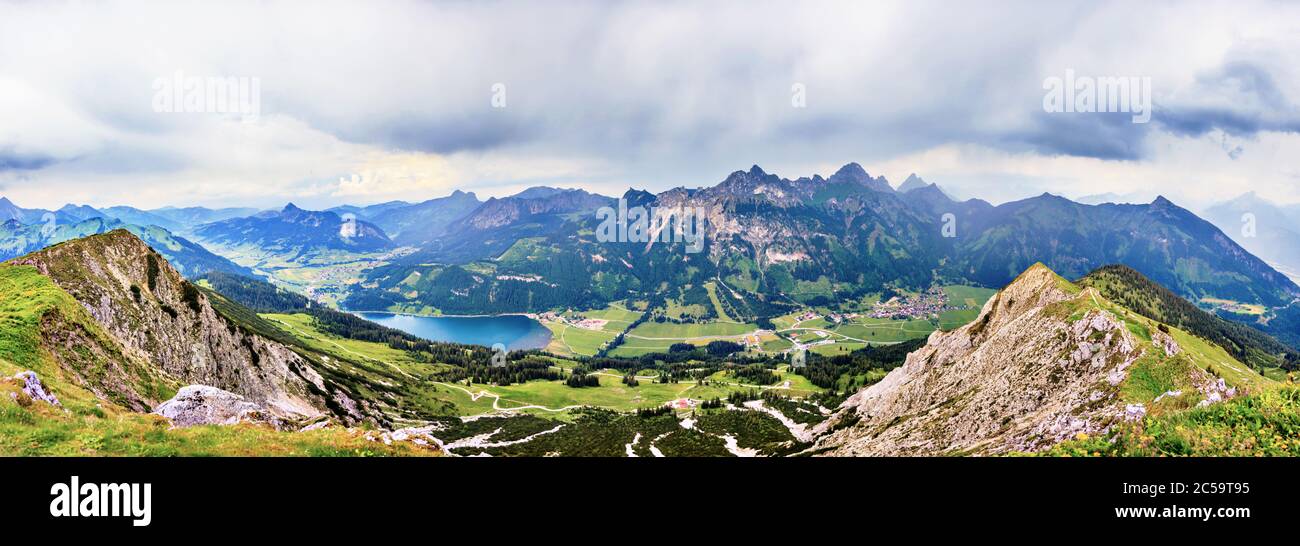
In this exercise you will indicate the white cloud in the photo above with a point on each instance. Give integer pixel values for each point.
(373, 103)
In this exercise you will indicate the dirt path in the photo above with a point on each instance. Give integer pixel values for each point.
(799, 430)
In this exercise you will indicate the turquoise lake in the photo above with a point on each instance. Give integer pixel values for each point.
(516, 332)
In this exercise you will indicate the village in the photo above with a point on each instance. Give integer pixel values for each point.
(577, 322)
(924, 305)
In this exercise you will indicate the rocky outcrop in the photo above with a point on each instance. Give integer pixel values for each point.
(203, 405)
(157, 317)
(33, 388)
(1023, 376)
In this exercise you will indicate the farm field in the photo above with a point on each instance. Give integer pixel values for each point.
(970, 296)
(571, 340)
(669, 330)
(885, 330)
(574, 341)
(618, 316)
(657, 337)
(1235, 306)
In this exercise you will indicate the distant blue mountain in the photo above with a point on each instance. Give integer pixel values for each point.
(132, 215)
(189, 218)
(369, 212)
(192, 260)
(422, 222)
(296, 229)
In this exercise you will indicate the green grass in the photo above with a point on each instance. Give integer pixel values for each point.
(32, 428)
(303, 327)
(657, 337)
(838, 348)
(951, 320)
(619, 317)
(1153, 375)
(378, 372)
(676, 310)
(30, 304)
(25, 296)
(712, 289)
(776, 345)
(886, 330)
(969, 296)
(683, 331)
(1262, 424)
(1198, 352)
(1213, 358)
(570, 340)
(94, 426)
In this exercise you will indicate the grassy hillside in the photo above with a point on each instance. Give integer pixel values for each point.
(1267, 423)
(1129, 288)
(1161, 373)
(42, 326)
(43, 329)
(90, 427)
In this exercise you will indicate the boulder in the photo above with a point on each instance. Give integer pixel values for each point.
(32, 387)
(204, 405)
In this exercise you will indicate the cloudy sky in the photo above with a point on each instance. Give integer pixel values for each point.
(368, 102)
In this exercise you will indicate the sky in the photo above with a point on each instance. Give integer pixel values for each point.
(365, 102)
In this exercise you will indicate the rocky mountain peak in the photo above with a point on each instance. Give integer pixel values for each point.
(157, 321)
(912, 182)
(853, 173)
(1041, 363)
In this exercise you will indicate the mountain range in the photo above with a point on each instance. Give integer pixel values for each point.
(773, 242)
(17, 239)
(1266, 229)
(293, 229)
(811, 240)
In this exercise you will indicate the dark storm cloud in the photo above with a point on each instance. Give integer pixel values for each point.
(1241, 98)
(1102, 135)
(11, 160)
(648, 93)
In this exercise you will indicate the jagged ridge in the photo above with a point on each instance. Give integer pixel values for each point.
(1045, 361)
(154, 315)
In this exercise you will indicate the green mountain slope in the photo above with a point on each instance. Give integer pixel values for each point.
(1164, 242)
(1263, 424)
(1129, 288)
(1045, 362)
(189, 258)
